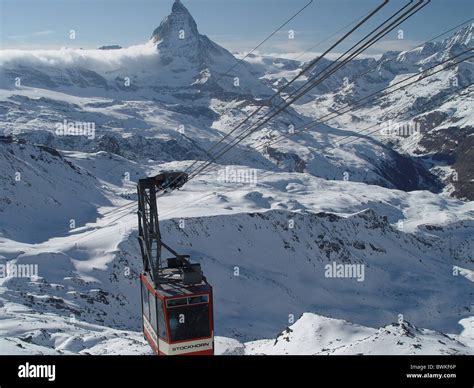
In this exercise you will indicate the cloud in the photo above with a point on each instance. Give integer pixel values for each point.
(43, 33)
(395, 45)
(139, 56)
(310, 55)
(31, 35)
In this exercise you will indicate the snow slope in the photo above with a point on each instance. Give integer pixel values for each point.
(94, 275)
(318, 335)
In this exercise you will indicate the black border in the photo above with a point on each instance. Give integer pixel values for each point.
(316, 371)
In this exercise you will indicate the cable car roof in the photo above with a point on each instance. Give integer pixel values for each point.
(171, 286)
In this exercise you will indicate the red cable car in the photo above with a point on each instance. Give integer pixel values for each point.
(176, 298)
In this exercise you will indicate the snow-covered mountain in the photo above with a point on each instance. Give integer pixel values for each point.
(438, 107)
(318, 335)
(87, 284)
(181, 97)
(378, 205)
(177, 64)
(189, 58)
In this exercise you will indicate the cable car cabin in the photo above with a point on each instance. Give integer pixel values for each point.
(177, 318)
(176, 297)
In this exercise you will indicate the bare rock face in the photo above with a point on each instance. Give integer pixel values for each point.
(178, 33)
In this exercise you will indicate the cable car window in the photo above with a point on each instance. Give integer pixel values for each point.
(145, 302)
(153, 312)
(189, 322)
(161, 320)
(198, 299)
(176, 302)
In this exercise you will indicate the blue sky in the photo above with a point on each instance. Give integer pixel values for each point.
(238, 25)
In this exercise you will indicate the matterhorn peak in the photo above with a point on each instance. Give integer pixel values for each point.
(179, 7)
(179, 25)
(194, 59)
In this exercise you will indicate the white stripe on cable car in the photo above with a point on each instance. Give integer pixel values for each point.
(185, 347)
(151, 332)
